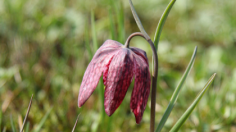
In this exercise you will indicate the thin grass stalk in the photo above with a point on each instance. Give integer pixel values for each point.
(100, 85)
(101, 95)
(94, 35)
(117, 5)
(112, 26)
(38, 128)
(75, 123)
(87, 43)
(113, 37)
(0, 118)
(27, 113)
(4, 129)
(12, 124)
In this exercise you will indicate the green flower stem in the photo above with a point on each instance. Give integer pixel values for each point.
(140, 26)
(154, 67)
(162, 22)
(154, 64)
(176, 93)
(154, 76)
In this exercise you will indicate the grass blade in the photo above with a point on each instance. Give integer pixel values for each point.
(121, 29)
(101, 95)
(112, 25)
(12, 124)
(87, 43)
(0, 118)
(162, 22)
(4, 129)
(100, 85)
(43, 120)
(27, 113)
(27, 127)
(187, 113)
(176, 93)
(75, 123)
(95, 44)
(140, 26)
(120, 19)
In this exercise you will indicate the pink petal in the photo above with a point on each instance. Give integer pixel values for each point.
(106, 66)
(141, 89)
(140, 53)
(119, 77)
(95, 68)
(105, 71)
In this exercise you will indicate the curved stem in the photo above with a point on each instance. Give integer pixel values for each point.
(154, 76)
(137, 20)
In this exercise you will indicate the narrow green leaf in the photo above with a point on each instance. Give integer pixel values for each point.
(176, 93)
(162, 22)
(100, 85)
(0, 118)
(101, 95)
(27, 127)
(140, 26)
(112, 25)
(43, 120)
(95, 44)
(120, 17)
(187, 113)
(87, 43)
(165, 117)
(12, 124)
(178, 88)
(109, 124)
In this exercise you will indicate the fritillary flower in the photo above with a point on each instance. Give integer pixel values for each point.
(119, 65)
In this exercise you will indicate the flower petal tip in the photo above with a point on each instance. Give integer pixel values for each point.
(79, 104)
(108, 112)
(138, 119)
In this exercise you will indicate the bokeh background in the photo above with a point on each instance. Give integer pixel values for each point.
(46, 45)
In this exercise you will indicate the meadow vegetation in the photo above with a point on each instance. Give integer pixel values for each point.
(46, 45)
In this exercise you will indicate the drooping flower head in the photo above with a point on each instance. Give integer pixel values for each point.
(118, 65)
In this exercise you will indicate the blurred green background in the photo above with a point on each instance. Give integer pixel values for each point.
(46, 45)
